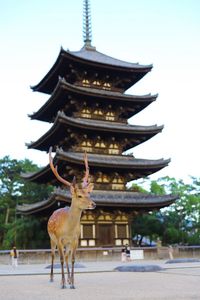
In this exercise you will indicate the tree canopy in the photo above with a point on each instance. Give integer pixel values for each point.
(177, 224)
(15, 190)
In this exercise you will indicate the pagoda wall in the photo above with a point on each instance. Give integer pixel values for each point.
(105, 229)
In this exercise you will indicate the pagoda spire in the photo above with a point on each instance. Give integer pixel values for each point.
(87, 27)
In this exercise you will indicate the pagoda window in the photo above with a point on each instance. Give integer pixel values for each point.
(87, 231)
(96, 82)
(86, 146)
(102, 178)
(100, 144)
(85, 82)
(118, 183)
(113, 149)
(98, 112)
(86, 113)
(117, 180)
(87, 235)
(105, 178)
(106, 86)
(117, 186)
(110, 116)
(121, 231)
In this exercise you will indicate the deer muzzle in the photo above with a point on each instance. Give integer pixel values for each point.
(92, 205)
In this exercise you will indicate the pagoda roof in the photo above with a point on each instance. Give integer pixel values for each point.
(89, 57)
(120, 163)
(112, 199)
(58, 131)
(59, 99)
(92, 55)
(109, 161)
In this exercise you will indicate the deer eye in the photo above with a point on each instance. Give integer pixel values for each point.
(79, 196)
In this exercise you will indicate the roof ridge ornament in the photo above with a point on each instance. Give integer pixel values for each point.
(87, 26)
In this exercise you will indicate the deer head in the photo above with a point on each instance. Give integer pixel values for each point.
(80, 194)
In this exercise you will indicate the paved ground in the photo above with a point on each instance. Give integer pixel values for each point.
(98, 281)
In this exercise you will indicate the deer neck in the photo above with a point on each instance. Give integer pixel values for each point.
(75, 212)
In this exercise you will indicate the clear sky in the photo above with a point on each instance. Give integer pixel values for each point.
(163, 32)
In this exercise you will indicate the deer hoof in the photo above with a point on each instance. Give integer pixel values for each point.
(72, 287)
(63, 286)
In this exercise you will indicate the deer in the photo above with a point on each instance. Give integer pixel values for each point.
(64, 224)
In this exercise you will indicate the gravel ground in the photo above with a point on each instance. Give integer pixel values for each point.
(175, 284)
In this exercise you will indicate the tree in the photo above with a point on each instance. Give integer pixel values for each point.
(180, 221)
(146, 225)
(13, 191)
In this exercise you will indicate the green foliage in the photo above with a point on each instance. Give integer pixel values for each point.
(13, 191)
(146, 225)
(26, 233)
(180, 222)
(138, 189)
(171, 235)
(157, 188)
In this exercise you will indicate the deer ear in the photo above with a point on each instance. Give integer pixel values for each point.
(90, 187)
(72, 189)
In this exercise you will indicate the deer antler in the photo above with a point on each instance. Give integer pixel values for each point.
(85, 178)
(55, 170)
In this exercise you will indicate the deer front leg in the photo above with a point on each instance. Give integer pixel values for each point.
(73, 262)
(61, 253)
(67, 266)
(72, 273)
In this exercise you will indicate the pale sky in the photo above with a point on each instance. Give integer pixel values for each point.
(163, 32)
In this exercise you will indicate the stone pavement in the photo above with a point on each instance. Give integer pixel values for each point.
(39, 269)
(90, 267)
(97, 280)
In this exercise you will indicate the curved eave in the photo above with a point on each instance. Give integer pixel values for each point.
(119, 163)
(124, 162)
(39, 176)
(40, 86)
(58, 130)
(110, 199)
(63, 89)
(29, 209)
(66, 56)
(121, 198)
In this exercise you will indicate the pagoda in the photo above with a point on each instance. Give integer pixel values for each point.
(88, 109)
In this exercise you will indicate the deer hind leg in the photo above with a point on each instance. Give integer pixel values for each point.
(53, 248)
(61, 253)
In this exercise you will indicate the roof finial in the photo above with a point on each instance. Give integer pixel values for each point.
(87, 28)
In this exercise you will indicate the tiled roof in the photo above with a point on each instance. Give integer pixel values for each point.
(111, 126)
(121, 161)
(104, 199)
(92, 55)
(59, 98)
(58, 129)
(91, 58)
